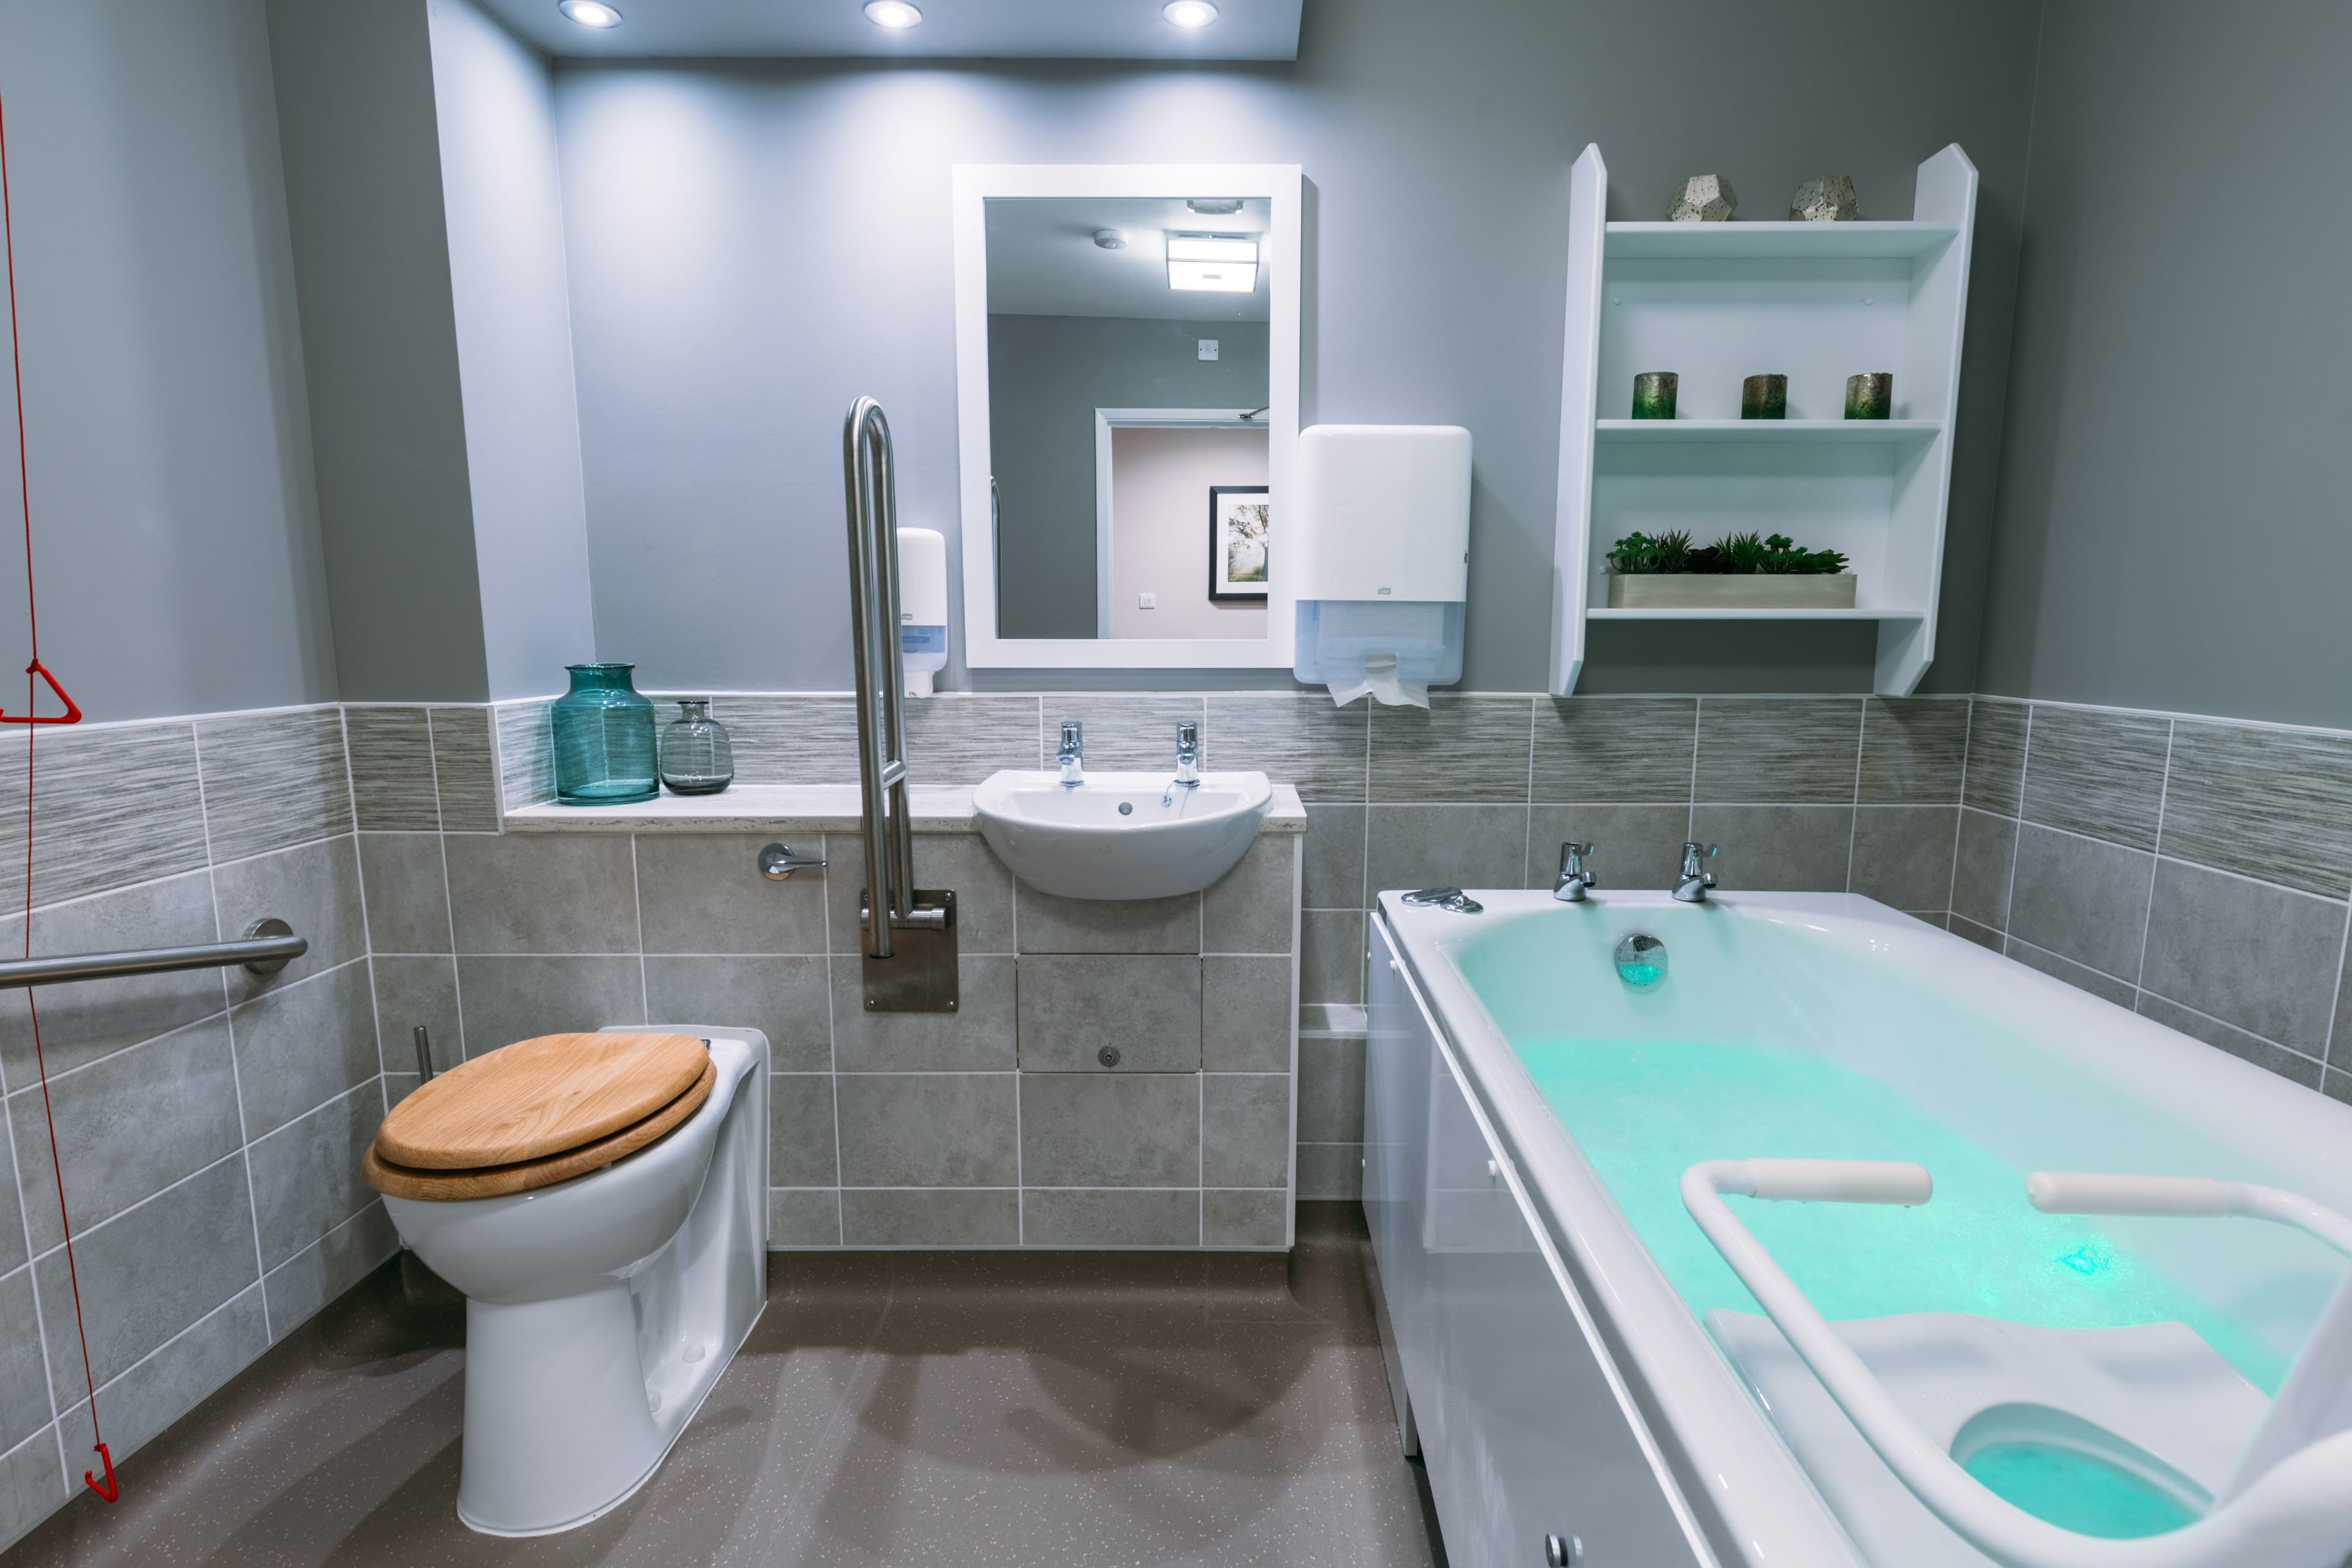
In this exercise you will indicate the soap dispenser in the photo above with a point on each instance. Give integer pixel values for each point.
(1383, 559)
(923, 607)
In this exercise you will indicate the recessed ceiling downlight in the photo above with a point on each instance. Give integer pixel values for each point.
(896, 15)
(1189, 13)
(590, 13)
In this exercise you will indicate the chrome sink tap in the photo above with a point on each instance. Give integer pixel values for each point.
(1188, 762)
(1073, 754)
(1575, 877)
(1692, 889)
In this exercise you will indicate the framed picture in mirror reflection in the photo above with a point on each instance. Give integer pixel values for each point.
(1240, 521)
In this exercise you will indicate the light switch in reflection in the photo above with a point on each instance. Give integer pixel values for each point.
(1207, 348)
(1147, 601)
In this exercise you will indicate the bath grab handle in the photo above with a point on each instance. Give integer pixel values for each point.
(2295, 1514)
(1831, 1181)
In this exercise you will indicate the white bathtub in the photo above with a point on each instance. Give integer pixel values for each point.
(1555, 1377)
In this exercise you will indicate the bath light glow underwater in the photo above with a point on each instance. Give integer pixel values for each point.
(895, 14)
(1189, 14)
(590, 13)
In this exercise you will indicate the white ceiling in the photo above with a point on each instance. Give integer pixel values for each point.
(950, 29)
(1043, 260)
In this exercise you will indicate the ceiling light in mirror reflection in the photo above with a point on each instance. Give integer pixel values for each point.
(590, 13)
(1189, 13)
(896, 15)
(1212, 263)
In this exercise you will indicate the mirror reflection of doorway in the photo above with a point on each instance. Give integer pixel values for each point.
(1155, 469)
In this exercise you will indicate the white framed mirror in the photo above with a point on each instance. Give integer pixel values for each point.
(1127, 381)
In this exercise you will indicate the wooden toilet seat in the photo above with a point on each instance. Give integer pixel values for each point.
(537, 1112)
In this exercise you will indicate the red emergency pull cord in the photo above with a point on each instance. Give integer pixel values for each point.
(71, 715)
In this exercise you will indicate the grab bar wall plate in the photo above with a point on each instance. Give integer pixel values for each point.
(268, 946)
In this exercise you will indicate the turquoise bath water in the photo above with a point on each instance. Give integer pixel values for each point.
(1645, 1110)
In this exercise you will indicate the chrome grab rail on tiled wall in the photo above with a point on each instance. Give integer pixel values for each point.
(268, 946)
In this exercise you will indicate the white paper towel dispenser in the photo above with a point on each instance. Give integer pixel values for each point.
(1383, 549)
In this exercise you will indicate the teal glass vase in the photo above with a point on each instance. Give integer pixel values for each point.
(603, 739)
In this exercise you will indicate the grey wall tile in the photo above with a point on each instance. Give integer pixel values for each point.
(128, 1126)
(1243, 1219)
(896, 1217)
(323, 1270)
(1110, 1129)
(956, 739)
(1795, 750)
(1332, 877)
(2271, 803)
(1984, 936)
(1456, 749)
(30, 1484)
(703, 892)
(1249, 908)
(1778, 849)
(1903, 855)
(158, 1391)
(1330, 1171)
(148, 1273)
(509, 999)
(1614, 748)
(301, 1047)
(1051, 924)
(1332, 956)
(2081, 899)
(24, 1378)
(928, 1129)
(961, 862)
(392, 768)
(978, 1037)
(407, 892)
(805, 1216)
(82, 1022)
(115, 807)
(1430, 846)
(12, 1215)
(543, 892)
(413, 991)
(465, 770)
(526, 742)
(1330, 1088)
(1995, 780)
(399, 1086)
(1248, 1009)
(2237, 1042)
(1147, 1009)
(1911, 750)
(1302, 738)
(2105, 987)
(305, 1176)
(1988, 851)
(274, 780)
(1638, 845)
(800, 1130)
(783, 739)
(1078, 1218)
(2099, 774)
(2260, 957)
(1126, 731)
(783, 998)
(1245, 1130)
(315, 889)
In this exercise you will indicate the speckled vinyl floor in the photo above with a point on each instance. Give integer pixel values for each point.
(997, 1409)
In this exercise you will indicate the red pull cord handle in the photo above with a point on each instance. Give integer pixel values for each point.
(104, 1489)
(72, 715)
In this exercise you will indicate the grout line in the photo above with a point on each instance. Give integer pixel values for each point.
(40, 1322)
(2017, 840)
(367, 931)
(1853, 828)
(638, 908)
(2148, 911)
(832, 1046)
(64, 1073)
(1699, 726)
(228, 1005)
(1960, 810)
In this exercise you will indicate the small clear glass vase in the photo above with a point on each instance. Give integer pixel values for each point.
(697, 757)
(603, 739)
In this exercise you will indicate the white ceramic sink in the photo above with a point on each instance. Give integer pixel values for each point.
(1112, 837)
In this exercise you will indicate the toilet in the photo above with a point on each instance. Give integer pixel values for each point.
(600, 1202)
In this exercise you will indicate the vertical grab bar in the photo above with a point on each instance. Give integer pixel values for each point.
(889, 827)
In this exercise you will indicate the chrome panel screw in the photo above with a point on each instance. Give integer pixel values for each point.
(1107, 1055)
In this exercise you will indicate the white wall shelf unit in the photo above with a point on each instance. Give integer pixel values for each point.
(1715, 302)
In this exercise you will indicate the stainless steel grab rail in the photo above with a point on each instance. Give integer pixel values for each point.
(268, 946)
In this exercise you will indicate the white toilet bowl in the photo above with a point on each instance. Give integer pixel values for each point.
(600, 1311)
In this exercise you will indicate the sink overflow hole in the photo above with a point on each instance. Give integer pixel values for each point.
(1126, 808)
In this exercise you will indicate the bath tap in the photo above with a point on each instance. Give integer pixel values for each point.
(1575, 877)
(1188, 762)
(1073, 754)
(1692, 889)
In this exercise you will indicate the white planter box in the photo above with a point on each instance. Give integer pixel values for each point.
(1708, 591)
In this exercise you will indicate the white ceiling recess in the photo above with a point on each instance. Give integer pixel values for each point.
(950, 29)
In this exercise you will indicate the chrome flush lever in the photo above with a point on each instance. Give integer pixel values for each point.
(777, 863)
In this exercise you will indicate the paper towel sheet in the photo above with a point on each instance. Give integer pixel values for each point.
(1381, 683)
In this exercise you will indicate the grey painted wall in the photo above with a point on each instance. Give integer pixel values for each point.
(356, 113)
(172, 508)
(2172, 515)
(1046, 376)
(753, 245)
